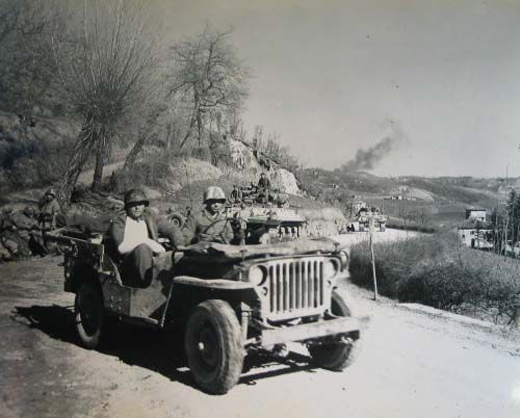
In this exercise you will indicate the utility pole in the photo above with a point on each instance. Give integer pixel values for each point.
(371, 229)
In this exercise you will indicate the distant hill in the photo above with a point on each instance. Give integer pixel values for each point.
(443, 199)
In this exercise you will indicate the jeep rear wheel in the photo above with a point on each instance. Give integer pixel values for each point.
(338, 355)
(89, 315)
(213, 346)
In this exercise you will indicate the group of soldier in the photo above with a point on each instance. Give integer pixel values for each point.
(261, 193)
(23, 232)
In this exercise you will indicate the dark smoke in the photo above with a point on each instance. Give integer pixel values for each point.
(369, 158)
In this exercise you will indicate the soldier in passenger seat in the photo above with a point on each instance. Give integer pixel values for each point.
(135, 232)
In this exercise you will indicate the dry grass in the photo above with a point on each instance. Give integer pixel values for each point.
(437, 271)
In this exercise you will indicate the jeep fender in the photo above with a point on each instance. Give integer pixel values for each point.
(189, 291)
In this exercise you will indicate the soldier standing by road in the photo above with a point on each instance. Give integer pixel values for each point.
(49, 210)
(211, 224)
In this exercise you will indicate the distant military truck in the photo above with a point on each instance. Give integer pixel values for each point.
(361, 220)
(221, 301)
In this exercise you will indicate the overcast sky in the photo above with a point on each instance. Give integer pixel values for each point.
(333, 76)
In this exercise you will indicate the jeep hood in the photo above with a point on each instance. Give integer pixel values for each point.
(242, 252)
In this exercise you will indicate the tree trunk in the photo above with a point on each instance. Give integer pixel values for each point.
(143, 135)
(82, 149)
(100, 161)
(134, 152)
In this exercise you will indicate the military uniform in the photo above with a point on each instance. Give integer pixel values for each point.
(49, 210)
(204, 227)
(137, 253)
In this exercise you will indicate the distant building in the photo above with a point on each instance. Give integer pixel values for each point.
(476, 234)
(476, 214)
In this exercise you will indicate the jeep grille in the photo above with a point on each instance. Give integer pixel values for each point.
(295, 288)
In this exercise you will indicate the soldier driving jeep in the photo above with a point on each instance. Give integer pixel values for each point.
(211, 224)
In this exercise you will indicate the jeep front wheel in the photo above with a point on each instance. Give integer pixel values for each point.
(213, 346)
(337, 356)
(89, 315)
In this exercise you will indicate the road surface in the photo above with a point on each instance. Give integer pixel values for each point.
(414, 363)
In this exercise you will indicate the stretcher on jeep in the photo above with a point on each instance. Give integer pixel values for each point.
(224, 301)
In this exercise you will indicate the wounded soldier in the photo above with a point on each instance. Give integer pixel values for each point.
(135, 232)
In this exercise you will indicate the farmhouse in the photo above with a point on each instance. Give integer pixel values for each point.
(476, 234)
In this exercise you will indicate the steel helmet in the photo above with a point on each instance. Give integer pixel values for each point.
(214, 193)
(135, 196)
(51, 192)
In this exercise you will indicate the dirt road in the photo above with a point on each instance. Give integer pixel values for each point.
(414, 363)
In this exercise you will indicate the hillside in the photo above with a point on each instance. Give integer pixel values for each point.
(34, 156)
(442, 200)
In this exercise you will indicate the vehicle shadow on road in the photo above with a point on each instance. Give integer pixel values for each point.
(255, 366)
(152, 349)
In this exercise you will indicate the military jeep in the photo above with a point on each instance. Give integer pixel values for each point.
(224, 301)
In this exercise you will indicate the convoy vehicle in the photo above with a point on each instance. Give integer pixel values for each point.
(363, 217)
(222, 301)
(266, 211)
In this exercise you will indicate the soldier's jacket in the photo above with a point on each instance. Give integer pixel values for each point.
(156, 225)
(203, 227)
(48, 213)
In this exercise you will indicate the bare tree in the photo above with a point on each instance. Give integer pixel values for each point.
(105, 58)
(210, 79)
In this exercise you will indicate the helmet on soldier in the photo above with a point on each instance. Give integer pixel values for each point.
(51, 192)
(134, 196)
(214, 193)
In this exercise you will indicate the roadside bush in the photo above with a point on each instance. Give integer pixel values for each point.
(410, 225)
(437, 271)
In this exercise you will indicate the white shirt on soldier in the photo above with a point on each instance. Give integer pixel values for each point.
(136, 233)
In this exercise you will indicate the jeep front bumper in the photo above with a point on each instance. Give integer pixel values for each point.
(312, 330)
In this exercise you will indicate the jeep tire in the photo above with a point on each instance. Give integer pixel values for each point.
(89, 315)
(337, 356)
(213, 346)
(177, 219)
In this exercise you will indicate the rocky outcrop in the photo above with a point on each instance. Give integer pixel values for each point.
(252, 163)
(189, 172)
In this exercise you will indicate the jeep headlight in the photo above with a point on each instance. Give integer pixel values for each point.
(330, 268)
(343, 256)
(257, 275)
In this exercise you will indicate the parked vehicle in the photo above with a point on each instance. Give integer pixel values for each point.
(222, 301)
(361, 222)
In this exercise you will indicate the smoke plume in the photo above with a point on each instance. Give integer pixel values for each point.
(369, 158)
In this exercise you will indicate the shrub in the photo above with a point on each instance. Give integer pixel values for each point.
(437, 271)
(410, 225)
